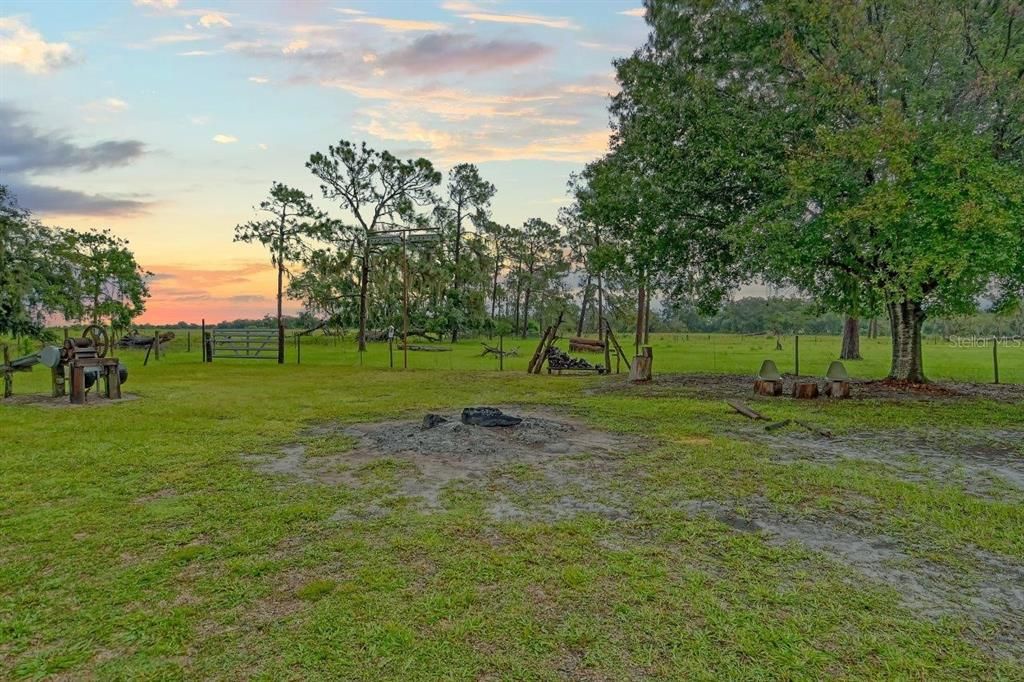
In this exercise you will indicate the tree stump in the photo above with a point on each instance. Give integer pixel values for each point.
(837, 389)
(640, 370)
(769, 388)
(805, 390)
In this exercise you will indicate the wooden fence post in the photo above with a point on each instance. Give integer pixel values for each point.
(796, 351)
(995, 357)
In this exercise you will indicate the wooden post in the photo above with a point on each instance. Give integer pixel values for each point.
(391, 352)
(995, 358)
(642, 364)
(8, 374)
(77, 384)
(298, 349)
(113, 382)
(280, 344)
(405, 304)
(188, 341)
(202, 338)
(156, 344)
(501, 352)
(796, 351)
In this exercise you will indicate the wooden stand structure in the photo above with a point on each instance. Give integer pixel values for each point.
(837, 381)
(541, 354)
(769, 380)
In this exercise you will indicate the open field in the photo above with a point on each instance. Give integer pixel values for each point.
(250, 520)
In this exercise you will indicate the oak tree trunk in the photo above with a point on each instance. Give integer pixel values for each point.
(906, 319)
(851, 339)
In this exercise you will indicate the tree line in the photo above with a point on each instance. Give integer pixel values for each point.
(868, 155)
(49, 273)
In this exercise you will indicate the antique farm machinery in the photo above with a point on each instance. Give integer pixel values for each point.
(81, 361)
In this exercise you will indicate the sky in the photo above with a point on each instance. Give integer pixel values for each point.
(167, 120)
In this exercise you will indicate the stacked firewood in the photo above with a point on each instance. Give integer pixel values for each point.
(559, 359)
(581, 345)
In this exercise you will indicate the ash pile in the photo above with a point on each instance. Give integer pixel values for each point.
(478, 432)
(559, 359)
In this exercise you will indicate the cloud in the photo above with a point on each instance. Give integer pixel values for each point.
(25, 48)
(197, 53)
(172, 38)
(262, 145)
(59, 201)
(467, 10)
(400, 25)
(199, 120)
(26, 149)
(248, 298)
(443, 53)
(258, 79)
(214, 19)
(635, 12)
(347, 10)
(110, 105)
(295, 46)
(159, 4)
(221, 138)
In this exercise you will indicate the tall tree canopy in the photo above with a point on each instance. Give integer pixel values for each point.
(52, 272)
(379, 191)
(869, 153)
(287, 233)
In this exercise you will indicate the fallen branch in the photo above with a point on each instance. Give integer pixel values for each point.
(745, 411)
(491, 350)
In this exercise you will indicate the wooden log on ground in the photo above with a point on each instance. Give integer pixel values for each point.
(769, 388)
(805, 390)
(642, 365)
(745, 411)
(491, 350)
(824, 433)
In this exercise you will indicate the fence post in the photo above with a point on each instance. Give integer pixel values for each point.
(156, 343)
(995, 357)
(501, 352)
(796, 351)
(202, 338)
(188, 340)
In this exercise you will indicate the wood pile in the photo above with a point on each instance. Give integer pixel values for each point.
(560, 360)
(578, 344)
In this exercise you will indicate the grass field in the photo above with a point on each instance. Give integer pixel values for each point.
(159, 538)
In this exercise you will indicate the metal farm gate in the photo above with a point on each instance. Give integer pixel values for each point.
(243, 344)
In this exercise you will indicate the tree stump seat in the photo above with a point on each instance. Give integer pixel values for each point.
(805, 390)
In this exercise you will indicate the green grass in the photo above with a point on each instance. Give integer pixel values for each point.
(137, 541)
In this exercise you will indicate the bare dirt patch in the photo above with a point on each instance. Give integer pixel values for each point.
(741, 386)
(989, 595)
(987, 462)
(547, 467)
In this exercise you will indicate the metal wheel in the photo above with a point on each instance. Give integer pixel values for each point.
(99, 338)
